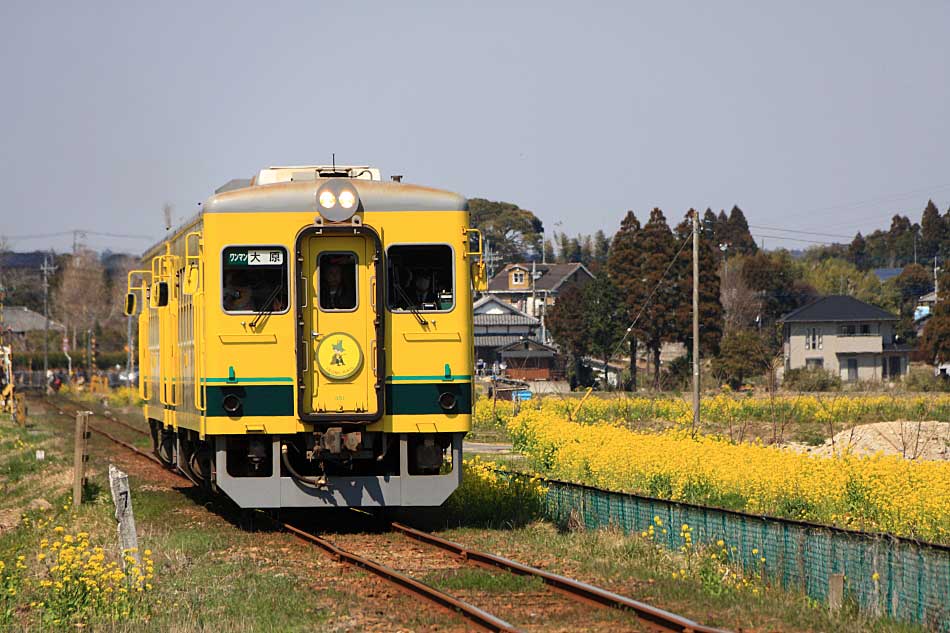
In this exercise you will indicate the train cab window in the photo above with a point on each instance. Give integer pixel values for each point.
(254, 279)
(420, 278)
(337, 289)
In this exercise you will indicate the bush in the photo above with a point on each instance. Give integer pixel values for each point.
(808, 379)
(923, 379)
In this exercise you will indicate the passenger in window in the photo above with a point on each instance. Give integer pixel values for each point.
(238, 295)
(336, 288)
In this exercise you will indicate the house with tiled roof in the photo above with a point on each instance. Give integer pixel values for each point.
(530, 287)
(846, 336)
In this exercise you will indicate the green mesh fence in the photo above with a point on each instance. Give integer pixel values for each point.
(913, 578)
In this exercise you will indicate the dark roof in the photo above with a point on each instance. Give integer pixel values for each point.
(527, 349)
(883, 274)
(504, 319)
(20, 319)
(497, 340)
(551, 277)
(837, 308)
(22, 260)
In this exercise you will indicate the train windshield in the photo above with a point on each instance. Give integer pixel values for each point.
(420, 278)
(254, 279)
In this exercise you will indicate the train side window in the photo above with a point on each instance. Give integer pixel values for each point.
(337, 289)
(420, 277)
(254, 278)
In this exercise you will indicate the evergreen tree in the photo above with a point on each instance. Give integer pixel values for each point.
(549, 255)
(606, 318)
(623, 265)
(657, 323)
(710, 228)
(858, 252)
(932, 233)
(900, 241)
(514, 233)
(741, 240)
(586, 248)
(601, 248)
(568, 324)
(710, 307)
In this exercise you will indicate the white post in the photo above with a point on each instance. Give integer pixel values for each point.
(122, 497)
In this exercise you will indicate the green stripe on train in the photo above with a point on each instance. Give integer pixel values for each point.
(423, 398)
(272, 400)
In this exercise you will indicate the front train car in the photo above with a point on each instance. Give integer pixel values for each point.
(306, 340)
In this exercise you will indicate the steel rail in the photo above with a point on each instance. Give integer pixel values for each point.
(658, 619)
(479, 617)
(473, 614)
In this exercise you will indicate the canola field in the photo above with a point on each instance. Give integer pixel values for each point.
(724, 409)
(877, 493)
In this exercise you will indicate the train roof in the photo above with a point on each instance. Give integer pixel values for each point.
(243, 196)
(302, 196)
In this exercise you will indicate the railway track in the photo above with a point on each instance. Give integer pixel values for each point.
(651, 617)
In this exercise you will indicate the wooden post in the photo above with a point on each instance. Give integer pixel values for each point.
(80, 455)
(122, 497)
(835, 591)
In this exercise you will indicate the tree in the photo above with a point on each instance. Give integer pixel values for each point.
(710, 228)
(601, 248)
(838, 276)
(741, 240)
(901, 239)
(549, 255)
(568, 324)
(933, 231)
(742, 355)
(514, 233)
(79, 299)
(605, 317)
(935, 340)
(858, 252)
(657, 323)
(623, 265)
(741, 304)
(710, 307)
(914, 282)
(774, 275)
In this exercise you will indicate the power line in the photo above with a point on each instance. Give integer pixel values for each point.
(794, 239)
(37, 236)
(800, 232)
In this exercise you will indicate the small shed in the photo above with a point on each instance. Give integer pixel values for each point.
(529, 360)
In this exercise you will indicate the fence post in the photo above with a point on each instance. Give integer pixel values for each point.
(835, 591)
(122, 497)
(80, 455)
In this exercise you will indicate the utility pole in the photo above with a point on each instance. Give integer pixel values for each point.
(47, 269)
(695, 320)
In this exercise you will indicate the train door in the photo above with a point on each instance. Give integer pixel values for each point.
(341, 321)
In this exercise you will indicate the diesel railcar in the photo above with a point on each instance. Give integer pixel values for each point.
(306, 340)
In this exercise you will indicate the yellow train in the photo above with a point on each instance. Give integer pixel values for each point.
(306, 340)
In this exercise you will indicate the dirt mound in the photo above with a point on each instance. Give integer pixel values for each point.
(912, 440)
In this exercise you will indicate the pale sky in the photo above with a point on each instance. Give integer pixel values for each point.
(823, 117)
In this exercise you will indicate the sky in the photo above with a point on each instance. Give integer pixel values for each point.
(824, 118)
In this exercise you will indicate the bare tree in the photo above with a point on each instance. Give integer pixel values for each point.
(740, 303)
(81, 300)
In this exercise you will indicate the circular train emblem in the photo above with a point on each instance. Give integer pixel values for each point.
(339, 356)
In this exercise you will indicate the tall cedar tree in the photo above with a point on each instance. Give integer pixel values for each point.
(513, 233)
(710, 228)
(935, 341)
(858, 252)
(900, 241)
(657, 323)
(932, 233)
(741, 239)
(710, 307)
(568, 324)
(623, 266)
(601, 249)
(606, 318)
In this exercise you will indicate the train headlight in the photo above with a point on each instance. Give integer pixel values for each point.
(337, 200)
(327, 199)
(347, 199)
